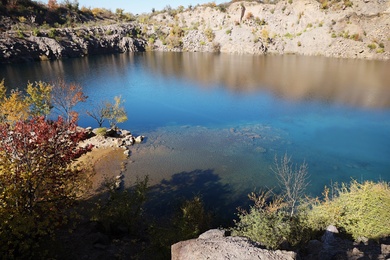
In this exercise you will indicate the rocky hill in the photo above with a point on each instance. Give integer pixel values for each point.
(347, 29)
(353, 29)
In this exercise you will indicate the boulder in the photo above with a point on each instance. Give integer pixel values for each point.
(214, 244)
(139, 139)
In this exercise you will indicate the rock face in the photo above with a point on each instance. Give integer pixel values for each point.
(306, 27)
(346, 29)
(213, 244)
(69, 42)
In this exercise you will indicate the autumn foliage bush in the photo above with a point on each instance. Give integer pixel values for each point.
(39, 178)
(38, 181)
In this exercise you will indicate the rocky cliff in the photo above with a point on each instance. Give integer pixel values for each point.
(69, 42)
(347, 29)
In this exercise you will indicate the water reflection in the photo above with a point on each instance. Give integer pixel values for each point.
(80, 70)
(358, 83)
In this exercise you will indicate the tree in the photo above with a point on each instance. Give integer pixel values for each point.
(38, 181)
(65, 97)
(14, 107)
(293, 182)
(115, 113)
(97, 113)
(18, 106)
(39, 98)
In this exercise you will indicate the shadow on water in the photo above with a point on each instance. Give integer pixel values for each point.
(166, 197)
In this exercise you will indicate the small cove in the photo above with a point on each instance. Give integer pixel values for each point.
(214, 123)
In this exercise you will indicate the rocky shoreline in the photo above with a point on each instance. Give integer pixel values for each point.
(358, 29)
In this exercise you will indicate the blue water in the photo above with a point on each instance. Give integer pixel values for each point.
(214, 114)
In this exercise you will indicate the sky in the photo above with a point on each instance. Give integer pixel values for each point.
(145, 6)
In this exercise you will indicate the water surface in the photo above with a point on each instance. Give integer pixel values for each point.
(214, 123)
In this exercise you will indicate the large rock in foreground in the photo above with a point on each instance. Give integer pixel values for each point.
(213, 244)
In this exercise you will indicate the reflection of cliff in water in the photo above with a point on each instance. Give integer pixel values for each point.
(359, 83)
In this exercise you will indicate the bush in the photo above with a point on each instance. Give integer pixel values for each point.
(209, 34)
(36, 32)
(270, 224)
(372, 46)
(52, 33)
(101, 131)
(38, 182)
(124, 209)
(360, 209)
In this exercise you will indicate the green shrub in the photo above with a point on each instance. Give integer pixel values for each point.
(123, 208)
(209, 34)
(372, 46)
(101, 131)
(187, 222)
(20, 33)
(361, 209)
(36, 32)
(52, 33)
(270, 224)
(289, 36)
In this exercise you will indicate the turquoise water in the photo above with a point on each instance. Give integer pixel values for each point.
(214, 123)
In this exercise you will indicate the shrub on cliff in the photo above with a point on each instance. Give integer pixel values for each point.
(359, 209)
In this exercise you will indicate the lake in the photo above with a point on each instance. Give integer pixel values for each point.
(215, 122)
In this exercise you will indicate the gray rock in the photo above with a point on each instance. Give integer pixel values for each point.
(214, 245)
(139, 139)
(385, 249)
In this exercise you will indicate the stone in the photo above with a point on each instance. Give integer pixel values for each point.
(213, 233)
(362, 240)
(139, 139)
(127, 153)
(125, 133)
(385, 249)
(329, 235)
(213, 244)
